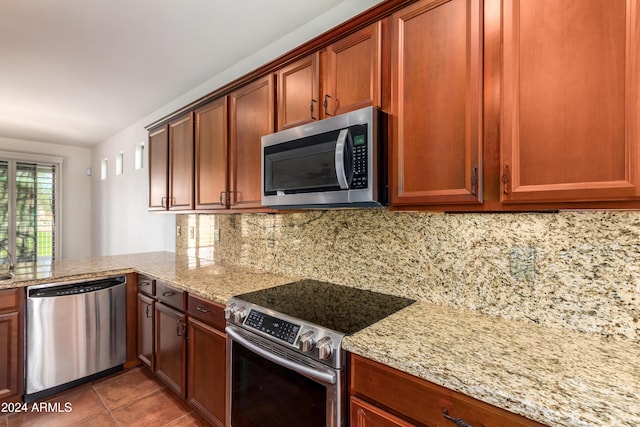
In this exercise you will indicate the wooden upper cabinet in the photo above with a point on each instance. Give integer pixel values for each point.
(211, 155)
(436, 99)
(251, 115)
(352, 71)
(158, 168)
(570, 103)
(298, 88)
(181, 163)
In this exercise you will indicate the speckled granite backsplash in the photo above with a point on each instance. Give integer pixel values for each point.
(579, 270)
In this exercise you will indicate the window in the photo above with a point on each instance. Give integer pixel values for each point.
(28, 210)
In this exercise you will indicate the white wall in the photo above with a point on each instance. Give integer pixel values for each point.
(121, 223)
(76, 192)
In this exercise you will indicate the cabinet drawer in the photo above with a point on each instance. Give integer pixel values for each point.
(146, 285)
(171, 296)
(206, 311)
(364, 414)
(422, 400)
(10, 299)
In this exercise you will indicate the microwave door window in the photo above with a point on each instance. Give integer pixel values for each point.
(304, 169)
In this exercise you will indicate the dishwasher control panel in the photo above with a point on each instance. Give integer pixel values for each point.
(75, 288)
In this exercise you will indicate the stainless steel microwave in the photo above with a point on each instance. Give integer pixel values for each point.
(335, 162)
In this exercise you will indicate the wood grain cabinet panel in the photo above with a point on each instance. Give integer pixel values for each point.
(211, 155)
(146, 313)
(436, 99)
(414, 399)
(159, 168)
(11, 345)
(170, 362)
(251, 115)
(363, 414)
(298, 88)
(352, 71)
(207, 371)
(181, 163)
(570, 103)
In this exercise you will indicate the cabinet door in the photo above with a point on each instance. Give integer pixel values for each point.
(145, 330)
(298, 88)
(570, 100)
(158, 168)
(351, 75)
(251, 116)
(211, 155)
(9, 356)
(206, 376)
(437, 99)
(181, 161)
(364, 414)
(170, 347)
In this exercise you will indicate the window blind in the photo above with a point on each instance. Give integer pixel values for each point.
(4, 210)
(28, 213)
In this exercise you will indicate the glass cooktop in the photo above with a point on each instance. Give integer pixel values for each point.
(340, 308)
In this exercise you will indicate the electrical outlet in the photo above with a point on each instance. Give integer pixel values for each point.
(192, 232)
(178, 230)
(216, 235)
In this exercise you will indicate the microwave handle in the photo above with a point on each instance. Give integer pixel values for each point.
(340, 154)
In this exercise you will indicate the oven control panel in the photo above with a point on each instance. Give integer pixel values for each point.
(277, 328)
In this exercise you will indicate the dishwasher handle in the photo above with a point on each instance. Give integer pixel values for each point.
(75, 288)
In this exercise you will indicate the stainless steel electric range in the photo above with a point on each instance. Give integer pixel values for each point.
(286, 365)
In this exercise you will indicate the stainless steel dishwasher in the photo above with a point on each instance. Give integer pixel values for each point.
(75, 332)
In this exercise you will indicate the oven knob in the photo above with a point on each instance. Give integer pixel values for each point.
(307, 341)
(239, 315)
(229, 311)
(324, 348)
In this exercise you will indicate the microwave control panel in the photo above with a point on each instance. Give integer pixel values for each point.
(359, 158)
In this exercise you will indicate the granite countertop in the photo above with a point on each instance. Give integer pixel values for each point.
(554, 376)
(200, 277)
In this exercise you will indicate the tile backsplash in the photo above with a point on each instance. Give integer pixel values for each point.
(578, 270)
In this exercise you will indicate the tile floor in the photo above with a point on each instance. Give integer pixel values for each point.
(130, 398)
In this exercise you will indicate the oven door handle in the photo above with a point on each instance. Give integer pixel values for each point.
(339, 159)
(323, 377)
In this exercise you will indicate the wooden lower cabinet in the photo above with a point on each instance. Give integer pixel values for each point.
(206, 371)
(170, 361)
(146, 308)
(374, 386)
(364, 414)
(11, 344)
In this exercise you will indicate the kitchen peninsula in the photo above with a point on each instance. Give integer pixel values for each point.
(551, 375)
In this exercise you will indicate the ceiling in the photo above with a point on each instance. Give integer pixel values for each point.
(75, 72)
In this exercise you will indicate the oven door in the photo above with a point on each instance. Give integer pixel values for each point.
(271, 385)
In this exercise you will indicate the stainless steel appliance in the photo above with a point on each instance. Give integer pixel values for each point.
(75, 331)
(286, 365)
(336, 162)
